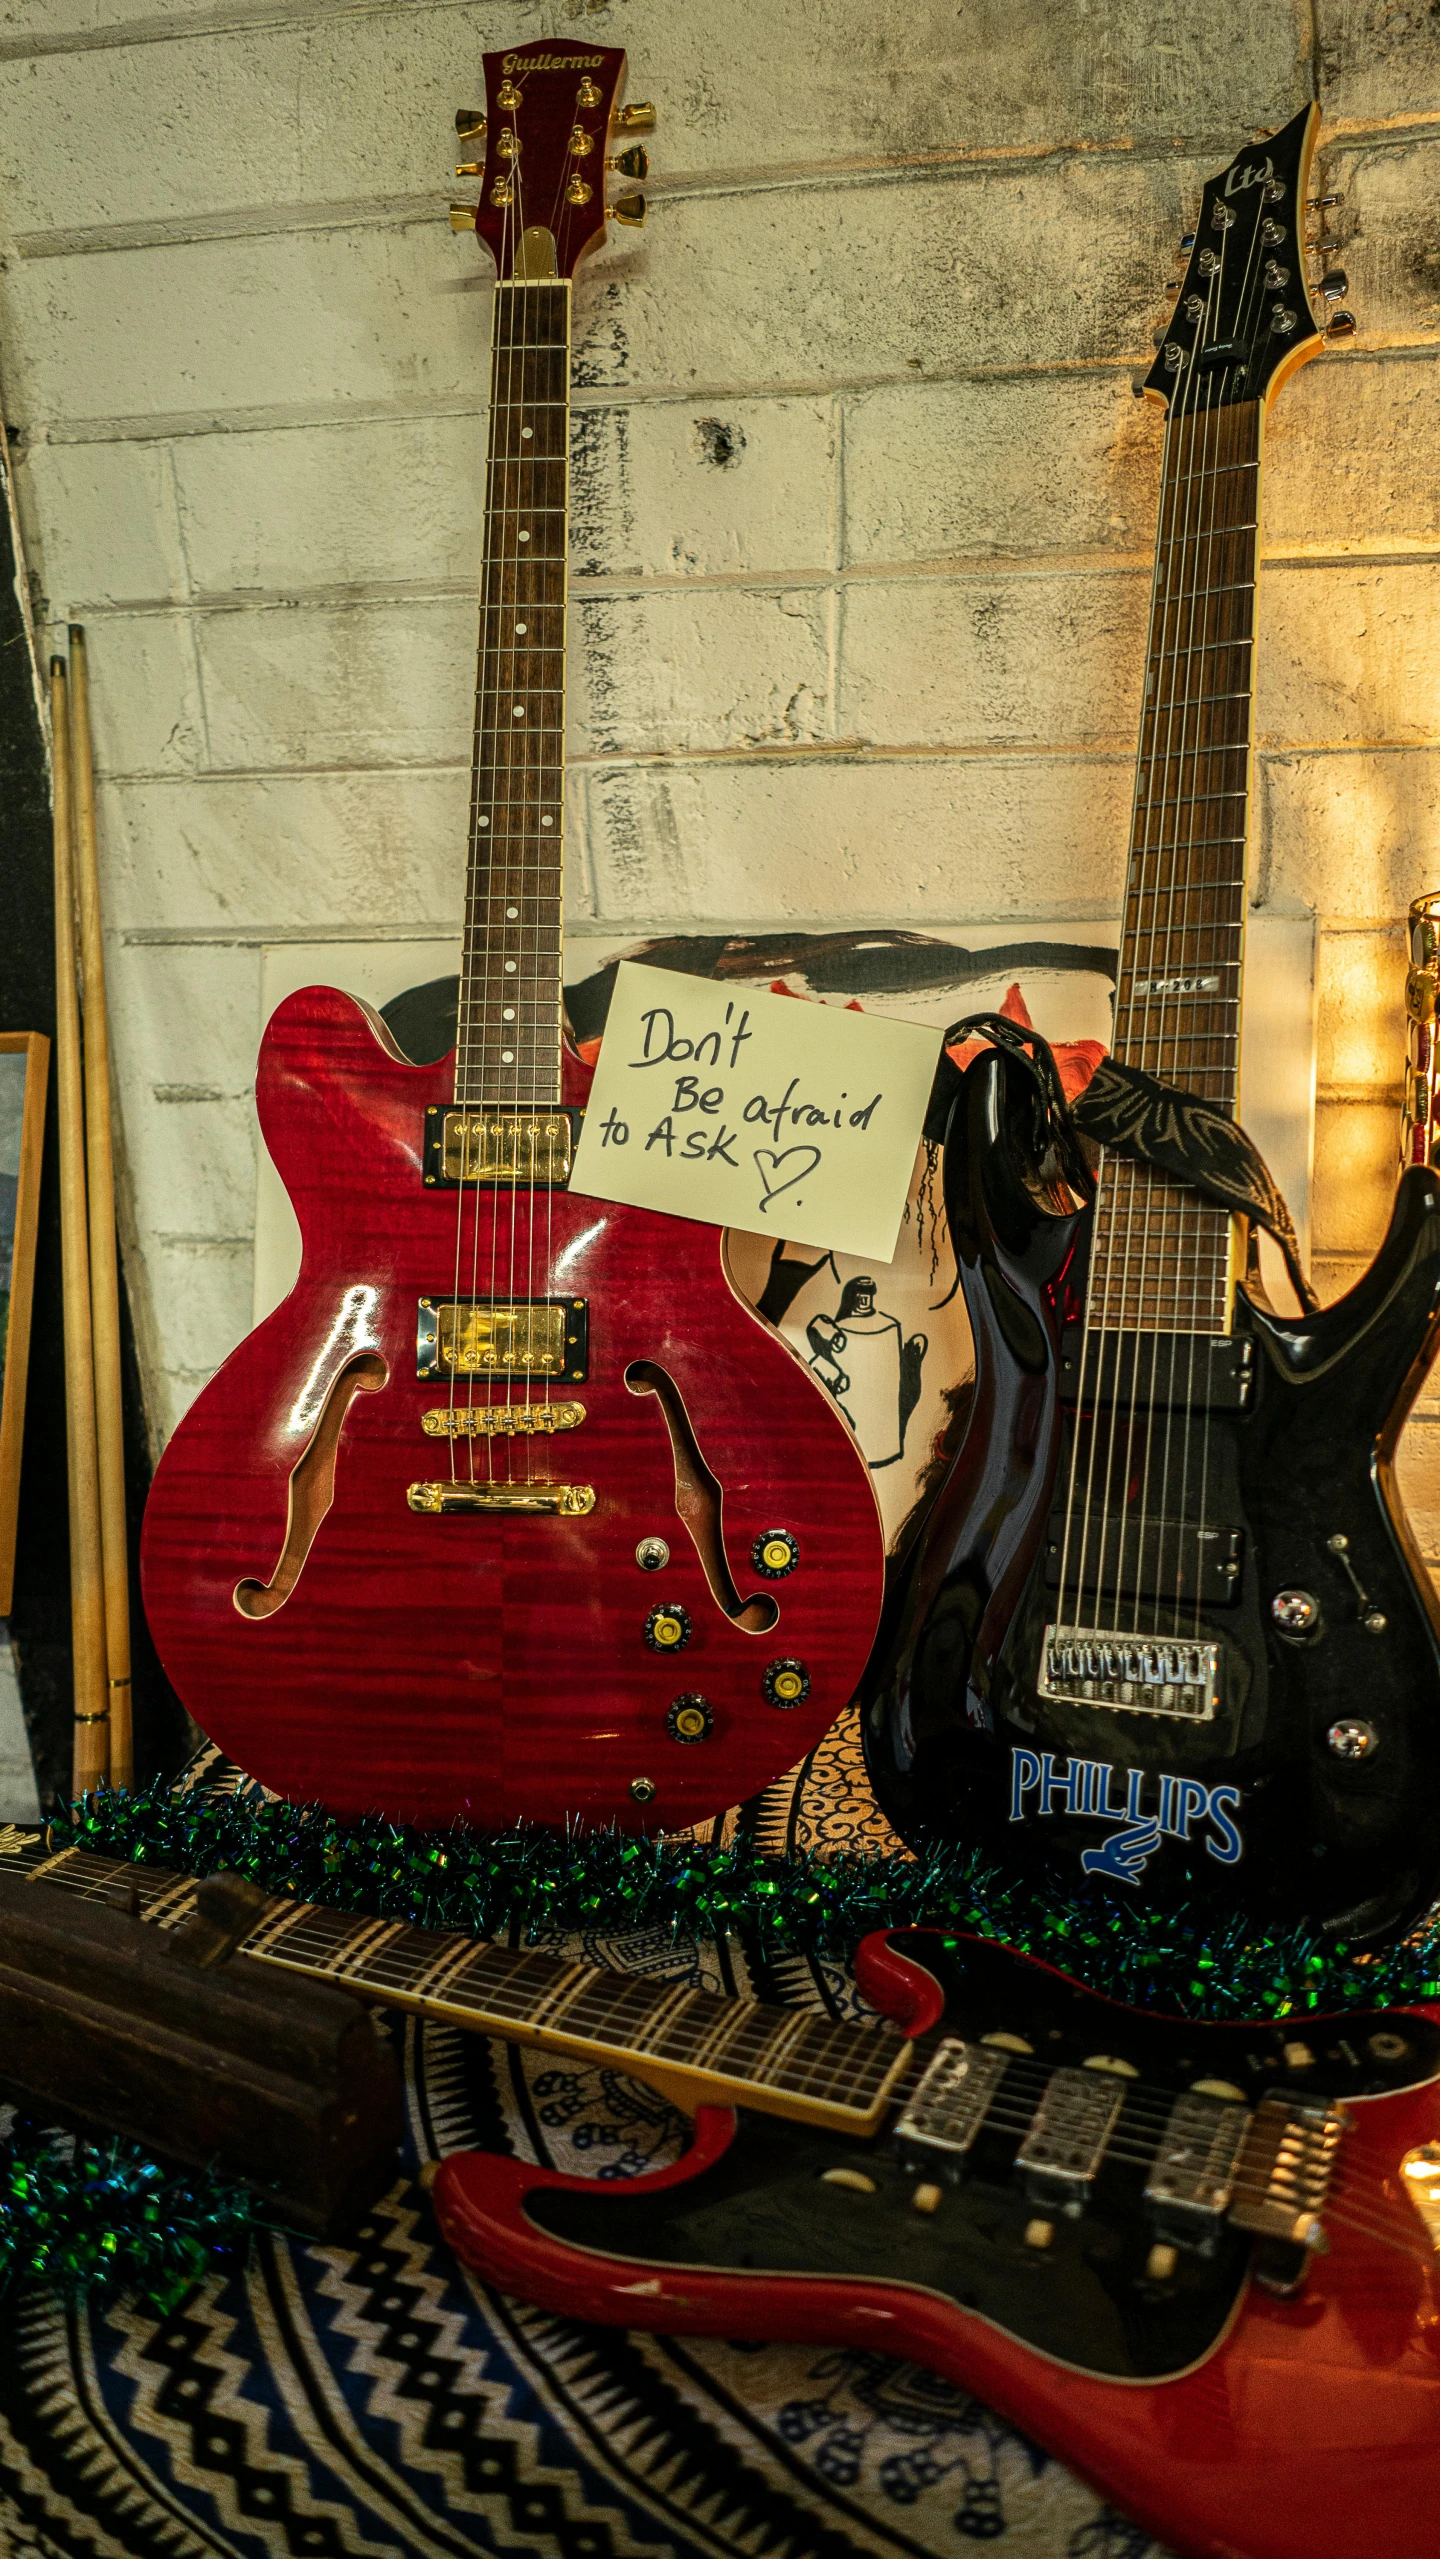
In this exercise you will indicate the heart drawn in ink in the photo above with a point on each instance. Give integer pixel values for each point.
(809, 1157)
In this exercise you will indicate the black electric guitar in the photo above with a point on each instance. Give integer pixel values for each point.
(1165, 1624)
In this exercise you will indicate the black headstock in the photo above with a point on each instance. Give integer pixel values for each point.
(1243, 318)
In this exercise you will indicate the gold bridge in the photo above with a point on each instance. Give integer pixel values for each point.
(562, 1501)
(525, 1147)
(502, 1421)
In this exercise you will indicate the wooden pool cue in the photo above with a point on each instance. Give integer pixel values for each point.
(104, 1257)
(91, 1761)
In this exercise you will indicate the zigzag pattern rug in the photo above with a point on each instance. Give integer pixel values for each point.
(376, 2401)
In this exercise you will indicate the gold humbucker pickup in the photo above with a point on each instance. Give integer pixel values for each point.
(524, 1337)
(502, 1421)
(534, 1149)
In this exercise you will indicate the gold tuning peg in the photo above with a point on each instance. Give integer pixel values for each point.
(633, 163)
(462, 216)
(469, 123)
(629, 208)
(469, 168)
(639, 119)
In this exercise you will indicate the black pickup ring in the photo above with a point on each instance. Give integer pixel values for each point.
(1166, 1559)
(1208, 1373)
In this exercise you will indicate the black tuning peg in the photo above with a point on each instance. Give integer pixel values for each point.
(1187, 243)
(469, 123)
(1342, 324)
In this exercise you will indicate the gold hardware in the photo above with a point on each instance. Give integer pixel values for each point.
(502, 1421)
(690, 1723)
(507, 145)
(578, 192)
(469, 168)
(535, 256)
(507, 95)
(927, 2198)
(506, 1146)
(666, 1630)
(1038, 2234)
(469, 123)
(643, 1789)
(556, 1501)
(501, 191)
(501, 1341)
(630, 209)
(634, 163)
(462, 216)
(854, 2178)
(580, 142)
(1161, 2263)
(636, 119)
(1421, 2172)
(587, 95)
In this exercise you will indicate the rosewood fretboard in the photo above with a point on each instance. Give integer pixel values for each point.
(508, 1047)
(1161, 1256)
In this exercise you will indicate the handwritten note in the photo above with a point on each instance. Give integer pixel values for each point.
(752, 1110)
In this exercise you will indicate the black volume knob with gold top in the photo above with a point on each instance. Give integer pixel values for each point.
(667, 1628)
(786, 1682)
(689, 1718)
(775, 1553)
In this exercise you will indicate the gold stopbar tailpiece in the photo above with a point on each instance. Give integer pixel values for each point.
(502, 1421)
(506, 1146)
(553, 1501)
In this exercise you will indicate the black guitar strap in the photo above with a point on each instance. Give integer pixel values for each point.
(1132, 1113)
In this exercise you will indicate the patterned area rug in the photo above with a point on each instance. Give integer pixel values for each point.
(378, 2399)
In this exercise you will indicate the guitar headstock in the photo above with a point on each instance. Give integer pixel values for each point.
(551, 108)
(1243, 318)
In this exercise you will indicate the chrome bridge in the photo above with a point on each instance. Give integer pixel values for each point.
(1137, 1674)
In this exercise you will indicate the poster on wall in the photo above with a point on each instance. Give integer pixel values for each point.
(890, 1341)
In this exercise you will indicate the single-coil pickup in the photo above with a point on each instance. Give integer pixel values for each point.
(1059, 2159)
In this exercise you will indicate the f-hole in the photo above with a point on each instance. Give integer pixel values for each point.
(699, 1501)
(312, 1486)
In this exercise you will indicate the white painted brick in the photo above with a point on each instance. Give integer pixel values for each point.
(1387, 227)
(191, 1166)
(100, 522)
(1356, 1169)
(708, 488)
(942, 470)
(145, 698)
(1351, 834)
(1378, 58)
(268, 112)
(382, 500)
(202, 1298)
(181, 1014)
(1348, 655)
(994, 661)
(1352, 455)
(1360, 987)
(834, 841)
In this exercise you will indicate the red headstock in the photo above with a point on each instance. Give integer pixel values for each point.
(549, 111)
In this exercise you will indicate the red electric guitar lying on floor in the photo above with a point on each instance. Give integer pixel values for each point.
(1196, 2262)
(436, 1538)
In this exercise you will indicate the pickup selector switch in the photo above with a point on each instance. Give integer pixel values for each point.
(775, 1553)
(689, 1718)
(667, 1628)
(786, 1682)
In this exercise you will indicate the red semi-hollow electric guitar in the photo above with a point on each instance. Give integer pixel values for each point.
(1197, 2263)
(514, 1508)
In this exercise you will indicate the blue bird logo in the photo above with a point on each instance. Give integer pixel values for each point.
(1124, 1853)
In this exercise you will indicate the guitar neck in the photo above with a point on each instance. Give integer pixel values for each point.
(1162, 1257)
(693, 2045)
(508, 1041)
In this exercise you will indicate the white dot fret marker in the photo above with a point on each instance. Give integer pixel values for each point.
(507, 1013)
(484, 821)
(512, 911)
(547, 821)
(510, 965)
(518, 713)
(522, 537)
(507, 1057)
(527, 432)
(522, 628)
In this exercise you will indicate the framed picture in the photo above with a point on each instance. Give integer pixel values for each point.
(24, 1073)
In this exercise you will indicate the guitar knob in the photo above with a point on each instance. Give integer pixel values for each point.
(652, 1554)
(689, 1718)
(786, 1683)
(1295, 1612)
(667, 1629)
(775, 1553)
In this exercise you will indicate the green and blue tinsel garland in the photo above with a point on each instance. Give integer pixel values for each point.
(1194, 1961)
(92, 2218)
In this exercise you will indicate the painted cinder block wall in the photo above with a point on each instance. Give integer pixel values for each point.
(863, 504)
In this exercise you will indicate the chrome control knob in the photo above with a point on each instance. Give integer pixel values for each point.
(1350, 1739)
(1295, 1612)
